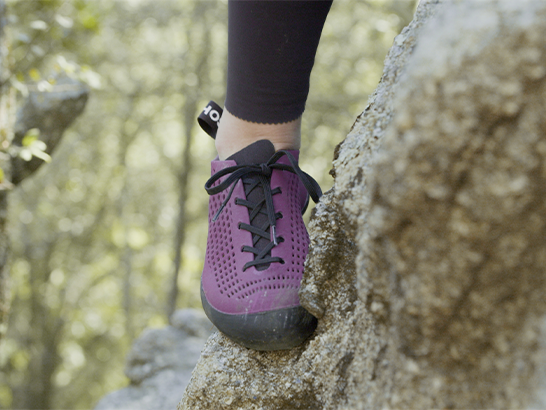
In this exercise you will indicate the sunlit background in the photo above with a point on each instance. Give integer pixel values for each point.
(95, 233)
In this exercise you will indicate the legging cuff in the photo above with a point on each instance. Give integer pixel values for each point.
(271, 51)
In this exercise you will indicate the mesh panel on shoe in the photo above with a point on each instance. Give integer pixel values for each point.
(220, 243)
(299, 237)
(222, 251)
(298, 242)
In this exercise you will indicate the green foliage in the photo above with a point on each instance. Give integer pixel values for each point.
(31, 147)
(93, 232)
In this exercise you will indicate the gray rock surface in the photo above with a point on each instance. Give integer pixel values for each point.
(160, 362)
(427, 261)
(51, 111)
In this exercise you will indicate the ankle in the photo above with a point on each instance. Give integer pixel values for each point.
(235, 134)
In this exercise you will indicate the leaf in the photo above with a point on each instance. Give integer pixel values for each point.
(44, 156)
(68, 67)
(91, 78)
(137, 238)
(38, 25)
(63, 21)
(23, 38)
(33, 147)
(37, 50)
(38, 145)
(30, 137)
(44, 86)
(88, 20)
(37, 149)
(34, 74)
(17, 83)
(25, 154)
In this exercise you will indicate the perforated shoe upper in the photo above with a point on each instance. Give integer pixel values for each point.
(229, 284)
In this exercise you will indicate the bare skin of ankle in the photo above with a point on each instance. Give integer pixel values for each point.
(235, 134)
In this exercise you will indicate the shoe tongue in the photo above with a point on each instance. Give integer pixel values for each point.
(258, 152)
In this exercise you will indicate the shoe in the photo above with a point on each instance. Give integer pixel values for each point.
(256, 248)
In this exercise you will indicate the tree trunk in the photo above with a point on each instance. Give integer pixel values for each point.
(6, 133)
(180, 232)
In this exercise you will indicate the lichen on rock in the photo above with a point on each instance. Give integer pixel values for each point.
(426, 265)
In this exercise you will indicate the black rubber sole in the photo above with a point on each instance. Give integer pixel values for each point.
(280, 329)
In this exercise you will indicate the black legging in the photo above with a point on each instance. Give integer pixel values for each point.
(271, 51)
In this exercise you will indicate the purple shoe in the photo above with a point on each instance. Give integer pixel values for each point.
(256, 249)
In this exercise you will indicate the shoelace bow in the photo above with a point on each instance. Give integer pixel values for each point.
(263, 173)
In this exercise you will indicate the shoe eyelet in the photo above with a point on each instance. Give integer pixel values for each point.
(282, 216)
(282, 261)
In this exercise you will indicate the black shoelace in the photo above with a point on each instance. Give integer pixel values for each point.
(254, 176)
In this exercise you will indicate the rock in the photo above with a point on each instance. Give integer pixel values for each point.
(51, 111)
(427, 256)
(193, 322)
(455, 243)
(160, 362)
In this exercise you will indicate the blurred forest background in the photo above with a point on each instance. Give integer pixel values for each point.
(108, 238)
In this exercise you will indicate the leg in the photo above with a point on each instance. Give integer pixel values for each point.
(271, 51)
(257, 240)
(234, 134)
